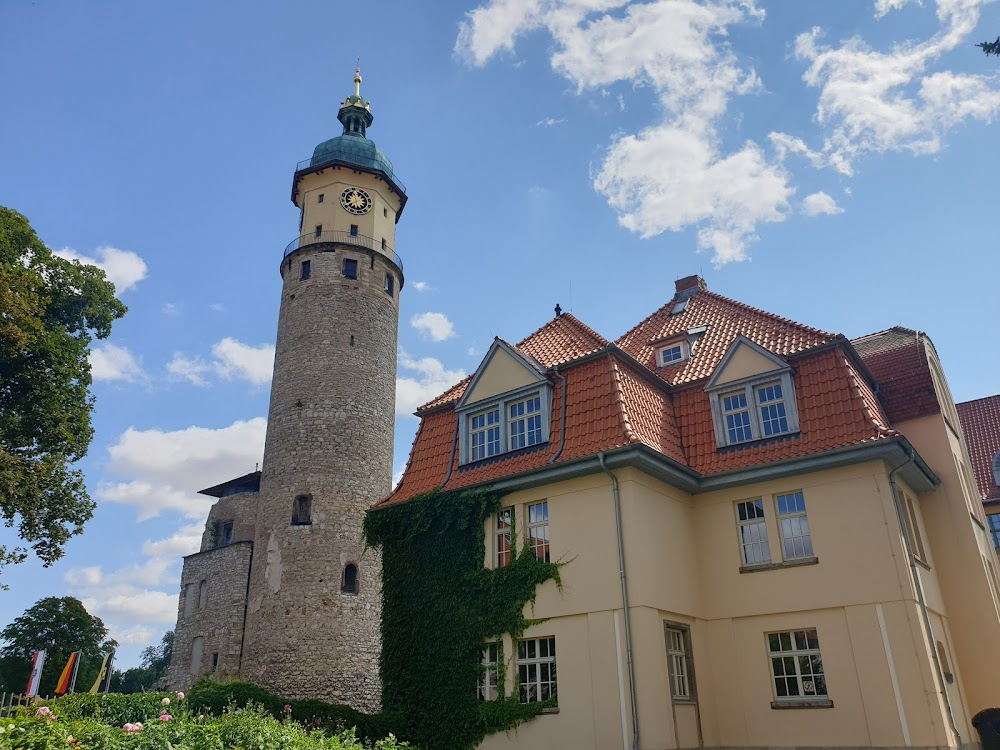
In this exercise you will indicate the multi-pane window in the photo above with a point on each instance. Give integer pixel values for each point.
(671, 354)
(913, 528)
(796, 665)
(390, 284)
(484, 431)
(504, 536)
(737, 416)
(773, 420)
(536, 669)
(680, 686)
(525, 422)
(538, 530)
(489, 672)
(795, 539)
(319, 231)
(753, 532)
(227, 533)
(350, 268)
(305, 270)
(994, 523)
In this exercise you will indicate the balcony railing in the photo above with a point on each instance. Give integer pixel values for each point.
(350, 160)
(343, 238)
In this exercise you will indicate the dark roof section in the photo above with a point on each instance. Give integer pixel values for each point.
(897, 358)
(981, 425)
(246, 483)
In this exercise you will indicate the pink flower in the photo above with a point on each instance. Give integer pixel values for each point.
(287, 709)
(165, 701)
(180, 696)
(165, 716)
(132, 728)
(43, 711)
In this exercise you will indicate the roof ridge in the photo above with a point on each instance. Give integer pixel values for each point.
(974, 400)
(892, 329)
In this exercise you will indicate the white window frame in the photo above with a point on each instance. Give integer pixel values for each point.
(749, 388)
(530, 690)
(524, 418)
(790, 527)
(489, 676)
(796, 653)
(485, 431)
(538, 529)
(503, 402)
(682, 347)
(506, 533)
(679, 663)
(745, 528)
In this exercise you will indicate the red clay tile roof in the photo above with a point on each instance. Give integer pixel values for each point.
(897, 358)
(981, 425)
(561, 339)
(618, 398)
(725, 319)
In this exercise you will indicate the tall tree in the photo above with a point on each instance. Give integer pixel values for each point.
(59, 626)
(155, 661)
(50, 310)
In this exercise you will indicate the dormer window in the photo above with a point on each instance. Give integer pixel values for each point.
(672, 353)
(751, 396)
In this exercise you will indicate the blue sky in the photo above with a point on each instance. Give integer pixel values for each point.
(833, 162)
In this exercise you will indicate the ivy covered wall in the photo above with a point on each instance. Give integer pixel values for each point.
(439, 607)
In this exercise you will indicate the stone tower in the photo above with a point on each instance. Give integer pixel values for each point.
(313, 603)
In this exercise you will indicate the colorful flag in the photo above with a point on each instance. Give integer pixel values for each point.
(103, 682)
(37, 662)
(68, 676)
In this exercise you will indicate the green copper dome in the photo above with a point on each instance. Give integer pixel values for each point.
(353, 147)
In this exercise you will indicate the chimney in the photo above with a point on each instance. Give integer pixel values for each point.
(692, 283)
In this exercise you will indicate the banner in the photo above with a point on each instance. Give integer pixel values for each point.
(37, 662)
(68, 676)
(103, 682)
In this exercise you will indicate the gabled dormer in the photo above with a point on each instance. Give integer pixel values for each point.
(506, 407)
(752, 395)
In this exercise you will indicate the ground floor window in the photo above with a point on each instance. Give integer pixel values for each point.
(489, 672)
(994, 522)
(796, 665)
(536, 669)
(677, 653)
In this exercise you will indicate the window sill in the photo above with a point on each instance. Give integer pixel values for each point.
(550, 710)
(822, 703)
(921, 563)
(684, 702)
(798, 563)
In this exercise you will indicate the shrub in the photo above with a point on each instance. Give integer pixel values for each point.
(114, 709)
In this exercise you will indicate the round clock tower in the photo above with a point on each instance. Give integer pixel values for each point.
(314, 603)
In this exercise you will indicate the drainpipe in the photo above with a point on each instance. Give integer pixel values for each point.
(562, 429)
(914, 573)
(628, 626)
(451, 458)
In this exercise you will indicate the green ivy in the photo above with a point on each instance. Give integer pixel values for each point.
(439, 607)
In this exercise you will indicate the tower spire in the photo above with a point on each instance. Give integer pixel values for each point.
(355, 113)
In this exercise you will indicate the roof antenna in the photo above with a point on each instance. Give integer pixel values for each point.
(558, 310)
(256, 466)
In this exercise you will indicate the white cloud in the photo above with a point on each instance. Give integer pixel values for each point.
(421, 286)
(433, 325)
(431, 379)
(232, 360)
(133, 635)
(236, 360)
(549, 122)
(882, 7)
(123, 268)
(163, 470)
(674, 174)
(818, 204)
(90, 576)
(185, 541)
(873, 101)
(112, 362)
(132, 604)
(217, 307)
(171, 308)
(190, 369)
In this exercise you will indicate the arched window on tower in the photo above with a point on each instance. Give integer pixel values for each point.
(349, 582)
(302, 510)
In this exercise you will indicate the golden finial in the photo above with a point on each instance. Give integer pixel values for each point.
(357, 82)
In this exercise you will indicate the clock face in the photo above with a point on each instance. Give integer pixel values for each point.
(356, 201)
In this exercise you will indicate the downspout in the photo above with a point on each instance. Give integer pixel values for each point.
(246, 605)
(914, 573)
(562, 429)
(628, 626)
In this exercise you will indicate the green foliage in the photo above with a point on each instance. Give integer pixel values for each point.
(215, 698)
(59, 626)
(50, 309)
(439, 606)
(155, 662)
(109, 708)
(246, 729)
